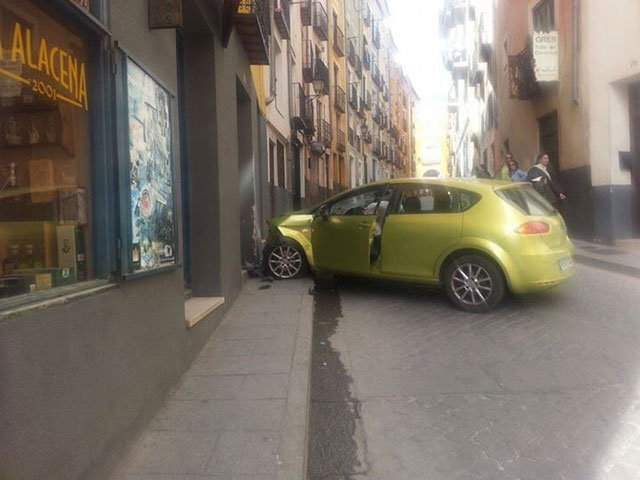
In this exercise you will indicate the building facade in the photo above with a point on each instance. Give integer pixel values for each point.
(130, 187)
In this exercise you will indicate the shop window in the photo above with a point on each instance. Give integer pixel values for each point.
(153, 235)
(45, 152)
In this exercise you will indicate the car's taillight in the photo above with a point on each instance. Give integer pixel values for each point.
(533, 228)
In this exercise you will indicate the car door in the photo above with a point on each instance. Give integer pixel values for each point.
(424, 222)
(342, 236)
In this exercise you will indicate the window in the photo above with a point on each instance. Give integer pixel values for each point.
(362, 202)
(417, 199)
(46, 231)
(543, 16)
(527, 200)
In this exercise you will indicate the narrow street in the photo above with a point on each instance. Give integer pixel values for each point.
(543, 388)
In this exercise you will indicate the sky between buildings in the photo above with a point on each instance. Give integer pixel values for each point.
(416, 30)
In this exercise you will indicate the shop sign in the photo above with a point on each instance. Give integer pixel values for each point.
(65, 76)
(165, 14)
(545, 55)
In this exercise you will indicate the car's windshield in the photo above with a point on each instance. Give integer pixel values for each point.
(527, 200)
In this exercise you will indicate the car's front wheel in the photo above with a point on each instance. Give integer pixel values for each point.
(474, 283)
(285, 261)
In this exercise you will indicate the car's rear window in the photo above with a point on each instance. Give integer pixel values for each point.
(527, 200)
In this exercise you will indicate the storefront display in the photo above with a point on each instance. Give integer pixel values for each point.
(45, 151)
(151, 176)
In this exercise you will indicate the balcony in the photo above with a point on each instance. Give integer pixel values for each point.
(375, 74)
(367, 101)
(352, 137)
(305, 14)
(367, 17)
(321, 78)
(361, 108)
(340, 99)
(308, 61)
(351, 52)
(341, 141)
(302, 118)
(282, 17)
(324, 132)
(358, 143)
(320, 21)
(338, 41)
(376, 116)
(375, 34)
(460, 65)
(376, 148)
(367, 138)
(353, 96)
(254, 27)
(384, 151)
(358, 67)
(366, 58)
(522, 75)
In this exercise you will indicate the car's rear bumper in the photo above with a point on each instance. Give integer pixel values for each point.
(543, 271)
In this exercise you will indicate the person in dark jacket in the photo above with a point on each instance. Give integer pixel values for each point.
(543, 182)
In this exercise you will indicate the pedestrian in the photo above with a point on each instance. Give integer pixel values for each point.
(517, 174)
(503, 173)
(542, 181)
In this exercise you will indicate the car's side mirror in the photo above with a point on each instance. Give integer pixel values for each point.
(323, 212)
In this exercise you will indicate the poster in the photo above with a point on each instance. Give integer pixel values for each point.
(151, 182)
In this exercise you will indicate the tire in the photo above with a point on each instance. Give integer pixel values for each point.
(285, 260)
(474, 283)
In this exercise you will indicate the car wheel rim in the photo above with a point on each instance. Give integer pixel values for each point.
(471, 284)
(285, 262)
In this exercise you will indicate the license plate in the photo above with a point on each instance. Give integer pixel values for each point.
(566, 263)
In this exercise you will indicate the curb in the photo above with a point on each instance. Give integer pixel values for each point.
(292, 464)
(609, 266)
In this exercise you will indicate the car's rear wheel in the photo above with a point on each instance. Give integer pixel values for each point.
(285, 261)
(474, 283)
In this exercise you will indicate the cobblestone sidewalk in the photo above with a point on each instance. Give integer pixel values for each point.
(240, 412)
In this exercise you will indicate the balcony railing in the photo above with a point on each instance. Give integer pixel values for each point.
(308, 61)
(375, 74)
(341, 141)
(367, 101)
(254, 27)
(351, 136)
(376, 147)
(302, 118)
(320, 21)
(361, 108)
(340, 99)
(305, 14)
(338, 41)
(321, 77)
(522, 75)
(282, 17)
(358, 143)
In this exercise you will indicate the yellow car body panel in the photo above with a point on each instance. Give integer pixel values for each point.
(417, 247)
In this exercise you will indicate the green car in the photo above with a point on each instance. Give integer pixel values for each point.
(476, 238)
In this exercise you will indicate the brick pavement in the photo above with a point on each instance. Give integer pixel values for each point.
(240, 412)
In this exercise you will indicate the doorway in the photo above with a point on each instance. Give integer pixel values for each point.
(634, 97)
(549, 139)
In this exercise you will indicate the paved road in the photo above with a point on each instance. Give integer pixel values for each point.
(547, 387)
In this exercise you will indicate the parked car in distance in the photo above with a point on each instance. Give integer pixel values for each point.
(476, 238)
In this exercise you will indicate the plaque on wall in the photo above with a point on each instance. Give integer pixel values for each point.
(165, 14)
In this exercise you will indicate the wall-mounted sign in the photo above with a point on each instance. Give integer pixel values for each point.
(49, 70)
(545, 55)
(165, 14)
